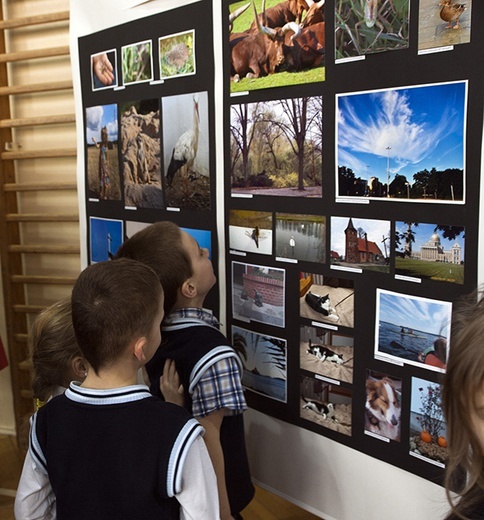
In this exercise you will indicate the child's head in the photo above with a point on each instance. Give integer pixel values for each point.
(114, 304)
(463, 391)
(104, 134)
(56, 356)
(175, 257)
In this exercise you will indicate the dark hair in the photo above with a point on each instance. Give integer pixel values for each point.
(113, 303)
(160, 246)
(52, 345)
(463, 382)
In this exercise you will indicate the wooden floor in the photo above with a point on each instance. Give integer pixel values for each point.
(265, 506)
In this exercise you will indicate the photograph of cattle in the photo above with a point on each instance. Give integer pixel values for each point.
(140, 150)
(103, 177)
(404, 144)
(429, 251)
(274, 43)
(443, 24)
(326, 353)
(412, 330)
(186, 158)
(264, 359)
(370, 26)
(276, 147)
(360, 244)
(250, 231)
(300, 237)
(326, 405)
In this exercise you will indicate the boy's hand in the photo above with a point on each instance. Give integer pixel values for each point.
(170, 385)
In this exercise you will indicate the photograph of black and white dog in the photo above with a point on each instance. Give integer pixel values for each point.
(326, 411)
(327, 353)
(383, 405)
(325, 405)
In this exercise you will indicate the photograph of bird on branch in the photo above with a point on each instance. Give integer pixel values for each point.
(276, 43)
(186, 157)
(370, 26)
(276, 147)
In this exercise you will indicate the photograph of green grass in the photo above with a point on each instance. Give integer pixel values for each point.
(177, 55)
(429, 251)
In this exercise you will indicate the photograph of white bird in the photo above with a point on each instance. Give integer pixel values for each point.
(186, 147)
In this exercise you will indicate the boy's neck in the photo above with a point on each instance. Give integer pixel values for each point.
(112, 377)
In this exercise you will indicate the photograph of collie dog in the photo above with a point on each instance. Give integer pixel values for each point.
(383, 405)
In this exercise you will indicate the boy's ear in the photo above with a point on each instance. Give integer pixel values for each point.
(79, 366)
(138, 349)
(188, 290)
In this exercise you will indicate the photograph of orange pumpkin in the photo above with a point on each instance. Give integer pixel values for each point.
(427, 426)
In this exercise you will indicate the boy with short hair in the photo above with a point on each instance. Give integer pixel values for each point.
(107, 448)
(209, 368)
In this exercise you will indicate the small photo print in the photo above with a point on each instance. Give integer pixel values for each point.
(326, 353)
(177, 55)
(250, 231)
(412, 330)
(276, 147)
(405, 144)
(106, 237)
(428, 434)
(326, 299)
(444, 24)
(104, 72)
(140, 149)
(429, 251)
(361, 244)
(137, 62)
(103, 178)
(265, 362)
(186, 157)
(369, 27)
(326, 405)
(383, 406)
(301, 237)
(258, 293)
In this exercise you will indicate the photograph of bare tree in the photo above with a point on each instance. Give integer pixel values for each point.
(275, 43)
(404, 144)
(276, 147)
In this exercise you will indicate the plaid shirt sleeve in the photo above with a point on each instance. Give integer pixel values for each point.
(219, 387)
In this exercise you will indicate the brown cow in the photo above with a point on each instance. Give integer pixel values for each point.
(257, 54)
(315, 13)
(281, 14)
(306, 47)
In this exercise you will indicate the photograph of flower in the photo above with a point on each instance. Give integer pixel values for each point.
(403, 144)
(427, 425)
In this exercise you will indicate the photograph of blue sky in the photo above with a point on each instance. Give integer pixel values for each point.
(406, 130)
(415, 313)
(99, 116)
(375, 229)
(106, 237)
(422, 234)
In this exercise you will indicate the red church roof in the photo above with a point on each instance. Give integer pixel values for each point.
(372, 247)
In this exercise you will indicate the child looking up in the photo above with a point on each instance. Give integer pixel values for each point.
(209, 368)
(56, 357)
(107, 448)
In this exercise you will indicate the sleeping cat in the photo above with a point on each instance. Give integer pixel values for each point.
(321, 304)
(326, 411)
(324, 353)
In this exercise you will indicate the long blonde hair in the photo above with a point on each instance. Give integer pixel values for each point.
(52, 345)
(463, 382)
